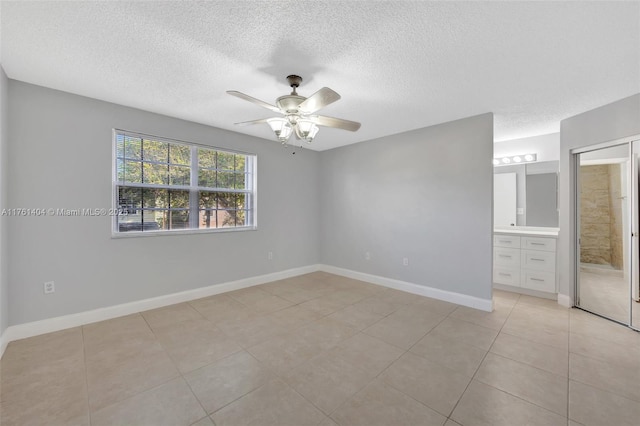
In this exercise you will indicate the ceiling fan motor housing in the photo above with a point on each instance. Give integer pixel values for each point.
(289, 103)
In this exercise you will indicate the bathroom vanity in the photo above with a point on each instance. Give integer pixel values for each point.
(524, 260)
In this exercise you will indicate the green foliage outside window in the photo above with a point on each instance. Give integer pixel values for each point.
(147, 169)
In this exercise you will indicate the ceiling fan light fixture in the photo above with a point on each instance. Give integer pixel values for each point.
(306, 129)
(312, 133)
(299, 113)
(281, 128)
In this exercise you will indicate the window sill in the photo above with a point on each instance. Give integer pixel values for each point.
(134, 234)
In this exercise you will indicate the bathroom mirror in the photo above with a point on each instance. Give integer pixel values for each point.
(533, 201)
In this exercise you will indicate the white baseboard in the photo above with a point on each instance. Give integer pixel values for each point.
(434, 293)
(3, 343)
(30, 329)
(565, 300)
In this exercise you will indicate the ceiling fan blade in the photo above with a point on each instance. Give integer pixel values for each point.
(248, 123)
(338, 123)
(253, 100)
(318, 100)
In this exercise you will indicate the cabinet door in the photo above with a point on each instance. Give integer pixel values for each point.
(538, 260)
(506, 276)
(507, 241)
(506, 257)
(536, 243)
(538, 280)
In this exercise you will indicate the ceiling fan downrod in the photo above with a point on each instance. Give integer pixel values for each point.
(294, 82)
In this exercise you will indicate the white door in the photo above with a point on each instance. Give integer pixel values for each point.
(504, 199)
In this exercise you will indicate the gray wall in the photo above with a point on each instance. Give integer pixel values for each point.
(426, 195)
(610, 122)
(4, 143)
(61, 157)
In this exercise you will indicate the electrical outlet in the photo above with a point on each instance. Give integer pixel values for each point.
(270, 255)
(405, 261)
(367, 256)
(49, 287)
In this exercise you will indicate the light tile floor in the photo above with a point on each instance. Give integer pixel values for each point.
(326, 350)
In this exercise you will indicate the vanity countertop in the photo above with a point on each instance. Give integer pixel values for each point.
(527, 230)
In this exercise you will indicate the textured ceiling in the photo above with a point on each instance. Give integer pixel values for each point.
(398, 65)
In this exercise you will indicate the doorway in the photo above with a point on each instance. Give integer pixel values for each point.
(606, 232)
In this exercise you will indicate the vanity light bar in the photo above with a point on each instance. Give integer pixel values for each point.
(515, 159)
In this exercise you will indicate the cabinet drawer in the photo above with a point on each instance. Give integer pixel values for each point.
(538, 260)
(543, 244)
(537, 280)
(506, 241)
(506, 276)
(506, 257)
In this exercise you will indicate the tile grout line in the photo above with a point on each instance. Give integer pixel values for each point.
(390, 364)
(444, 317)
(509, 393)
(334, 346)
(273, 373)
(315, 356)
(180, 375)
(483, 358)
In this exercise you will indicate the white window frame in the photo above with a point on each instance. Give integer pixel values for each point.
(251, 165)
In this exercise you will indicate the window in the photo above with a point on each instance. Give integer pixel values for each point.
(166, 185)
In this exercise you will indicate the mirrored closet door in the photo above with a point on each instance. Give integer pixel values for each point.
(606, 229)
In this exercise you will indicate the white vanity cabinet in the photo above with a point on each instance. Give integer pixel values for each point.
(525, 261)
(506, 260)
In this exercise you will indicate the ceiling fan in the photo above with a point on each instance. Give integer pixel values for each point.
(298, 112)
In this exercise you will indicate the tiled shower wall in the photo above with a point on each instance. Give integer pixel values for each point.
(601, 215)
